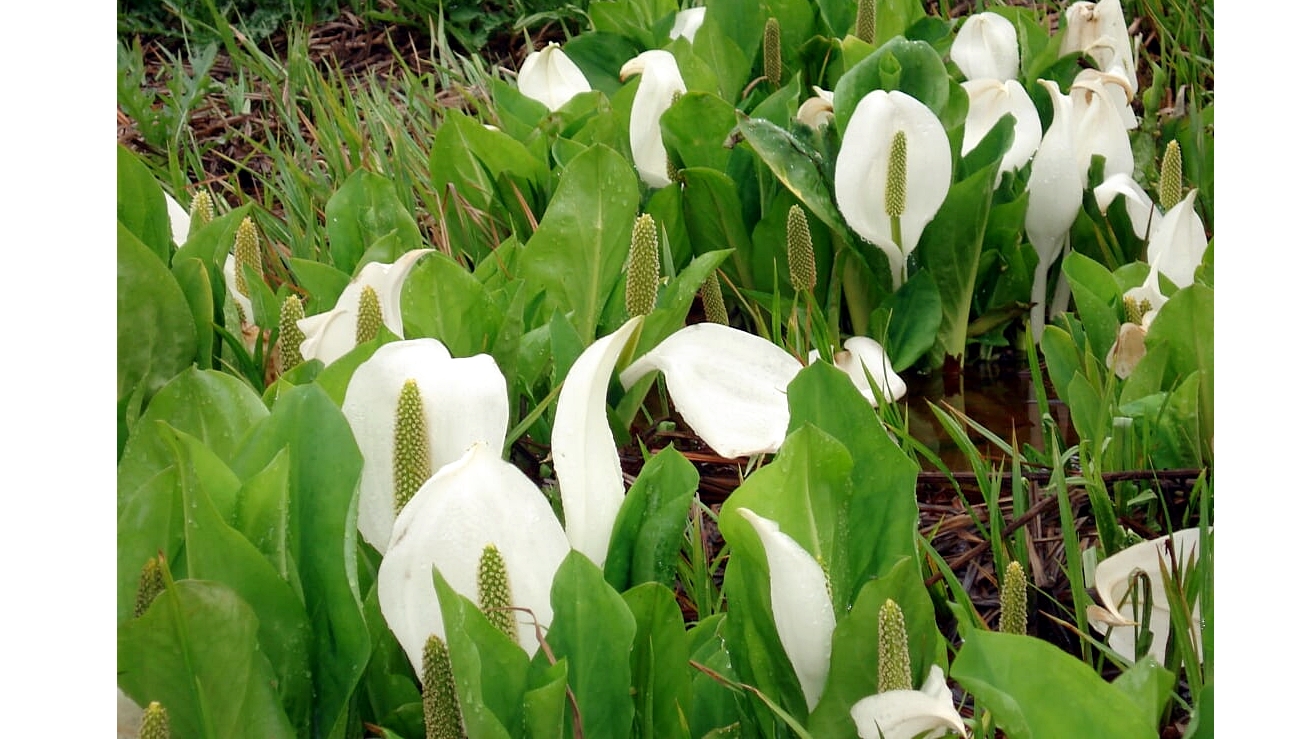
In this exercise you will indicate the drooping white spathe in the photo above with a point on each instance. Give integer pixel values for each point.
(464, 401)
(1100, 30)
(584, 450)
(473, 502)
(862, 172)
(331, 334)
(986, 48)
(550, 77)
(660, 81)
(905, 714)
(687, 23)
(1178, 242)
(818, 110)
(728, 385)
(1054, 197)
(1117, 617)
(180, 221)
(1142, 212)
(1098, 101)
(988, 101)
(862, 356)
(800, 605)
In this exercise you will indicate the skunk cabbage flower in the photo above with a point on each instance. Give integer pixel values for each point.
(987, 101)
(1099, 124)
(728, 385)
(660, 82)
(1099, 29)
(180, 220)
(1055, 190)
(1142, 304)
(583, 449)
(818, 110)
(550, 77)
(1141, 210)
(404, 439)
(884, 200)
(1178, 242)
(986, 48)
(862, 356)
(1118, 618)
(905, 714)
(687, 23)
(474, 502)
(800, 605)
(331, 334)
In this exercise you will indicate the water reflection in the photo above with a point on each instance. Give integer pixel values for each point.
(1001, 397)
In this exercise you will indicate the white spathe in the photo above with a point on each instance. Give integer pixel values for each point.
(988, 101)
(906, 714)
(818, 110)
(550, 77)
(687, 23)
(1054, 197)
(728, 385)
(800, 605)
(1141, 211)
(478, 500)
(584, 450)
(331, 334)
(986, 48)
(464, 402)
(660, 81)
(862, 172)
(1178, 242)
(1117, 618)
(1100, 30)
(180, 220)
(862, 356)
(1097, 105)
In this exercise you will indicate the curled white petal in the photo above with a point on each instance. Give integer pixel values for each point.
(473, 502)
(230, 280)
(180, 221)
(818, 110)
(1099, 125)
(1178, 243)
(658, 85)
(905, 714)
(1099, 29)
(1055, 185)
(988, 101)
(728, 385)
(550, 77)
(862, 356)
(800, 605)
(687, 23)
(1111, 583)
(583, 449)
(333, 333)
(464, 402)
(1140, 209)
(862, 171)
(986, 48)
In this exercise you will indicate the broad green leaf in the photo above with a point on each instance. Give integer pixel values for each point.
(1149, 685)
(156, 333)
(262, 515)
(659, 662)
(218, 552)
(594, 629)
(912, 67)
(141, 208)
(907, 322)
(323, 282)
(1061, 358)
(442, 300)
(649, 529)
(1185, 328)
(883, 478)
(601, 54)
(740, 21)
(1098, 298)
(727, 61)
(636, 20)
(195, 651)
(950, 249)
(714, 218)
(209, 405)
(694, 130)
(195, 284)
(578, 252)
(545, 702)
(1017, 679)
(855, 653)
(715, 706)
(362, 210)
(795, 166)
(324, 469)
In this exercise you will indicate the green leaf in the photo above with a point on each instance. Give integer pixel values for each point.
(912, 67)
(579, 249)
(364, 209)
(442, 300)
(694, 130)
(141, 208)
(593, 628)
(195, 651)
(545, 703)
(726, 59)
(907, 322)
(658, 662)
(323, 282)
(636, 20)
(218, 552)
(1149, 686)
(1098, 298)
(649, 529)
(1017, 678)
(794, 165)
(1185, 328)
(324, 469)
(195, 284)
(156, 333)
(714, 218)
